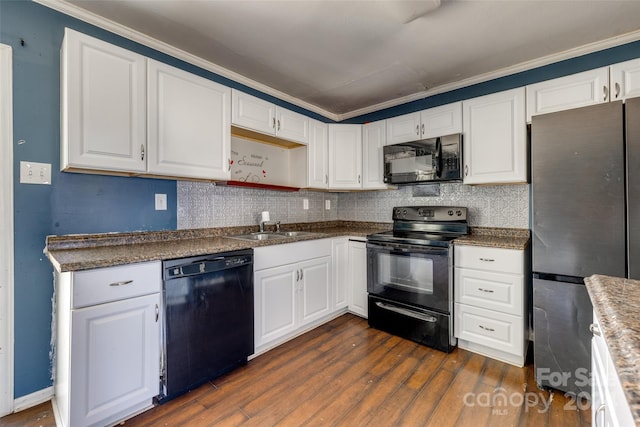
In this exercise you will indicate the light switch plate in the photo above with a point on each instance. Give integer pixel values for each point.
(161, 202)
(35, 173)
(305, 204)
(327, 204)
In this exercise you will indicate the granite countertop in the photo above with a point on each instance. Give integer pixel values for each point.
(87, 251)
(503, 238)
(616, 301)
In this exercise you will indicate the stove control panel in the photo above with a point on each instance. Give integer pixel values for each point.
(430, 213)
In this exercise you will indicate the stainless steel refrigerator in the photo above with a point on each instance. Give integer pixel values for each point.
(585, 174)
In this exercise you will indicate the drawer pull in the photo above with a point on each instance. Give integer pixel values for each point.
(489, 291)
(124, 282)
(487, 329)
(157, 313)
(595, 330)
(487, 259)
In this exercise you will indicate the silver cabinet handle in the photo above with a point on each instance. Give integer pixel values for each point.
(422, 130)
(418, 130)
(157, 313)
(326, 179)
(594, 329)
(278, 128)
(358, 179)
(273, 123)
(600, 409)
(297, 275)
(229, 162)
(605, 92)
(301, 274)
(487, 259)
(489, 291)
(122, 283)
(466, 170)
(486, 329)
(617, 86)
(141, 151)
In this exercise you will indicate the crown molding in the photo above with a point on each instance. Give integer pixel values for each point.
(121, 30)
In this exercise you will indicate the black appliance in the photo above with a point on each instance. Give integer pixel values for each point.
(586, 220)
(434, 159)
(410, 274)
(208, 312)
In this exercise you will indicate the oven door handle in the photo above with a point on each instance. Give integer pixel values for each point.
(406, 312)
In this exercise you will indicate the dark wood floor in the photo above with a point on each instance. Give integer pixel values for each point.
(345, 373)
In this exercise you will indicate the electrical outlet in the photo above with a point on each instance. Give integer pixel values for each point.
(327, 204)
(305, 204)
(161, 202)
(35, 173)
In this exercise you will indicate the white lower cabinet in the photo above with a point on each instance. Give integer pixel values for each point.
(292, 289)
(609, 405)
(358, 278)
(341, 271)
(491, 302)
(107, 343)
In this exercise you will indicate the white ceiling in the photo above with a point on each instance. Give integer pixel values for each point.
(344, 58)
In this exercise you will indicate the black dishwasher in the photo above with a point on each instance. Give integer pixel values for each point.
(208, 313)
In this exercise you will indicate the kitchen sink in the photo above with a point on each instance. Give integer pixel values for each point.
(270, 235)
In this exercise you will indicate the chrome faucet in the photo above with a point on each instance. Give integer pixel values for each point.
(264, 218)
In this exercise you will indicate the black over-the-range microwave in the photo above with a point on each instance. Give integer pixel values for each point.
(427, 160)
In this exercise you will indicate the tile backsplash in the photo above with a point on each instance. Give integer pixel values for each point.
(203, 205)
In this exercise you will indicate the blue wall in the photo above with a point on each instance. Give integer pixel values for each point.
(79, 203)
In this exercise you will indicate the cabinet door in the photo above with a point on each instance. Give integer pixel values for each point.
(292, 126)
(403, 128)
(341, 276)
(315, 289)
(189, 124)
(443, 120)
(274, 294)
(252, 113)
(577, 90)
(358, 282)
(345, 156)
(625, 80)
(495, 138)
(115, 351)
(373, 139)
(318, 155)
(103, 106)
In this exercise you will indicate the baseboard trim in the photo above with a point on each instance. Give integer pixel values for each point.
(33, 399)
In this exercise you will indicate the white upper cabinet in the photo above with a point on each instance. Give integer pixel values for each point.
(103, 106)
(625, 80)
(318, 155)
(261, 116)
(577, 90)
(189, 129)
(442, 120)
(495, 138)
(345, 156)
(373, 139)
(403, 128)
(437, 121)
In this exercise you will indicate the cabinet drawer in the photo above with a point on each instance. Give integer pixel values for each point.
(492, 259)
(289, 253)
(493, 291)
(501, 331)
(91, 287)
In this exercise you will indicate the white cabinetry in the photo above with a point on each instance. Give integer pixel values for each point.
(318, 155)
(373, 139)
(261, 116)
(107, 343)
(609, 404)
(495, 138)
(345, 156)
(625, 79)
(437, 121)
(577, 90)
(358, 278)
(292, 290)
(189, 124)
(490, 302)
(103, 106)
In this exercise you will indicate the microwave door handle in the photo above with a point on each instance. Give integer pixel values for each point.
(438, 157)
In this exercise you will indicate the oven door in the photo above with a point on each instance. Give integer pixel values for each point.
(415, 275)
